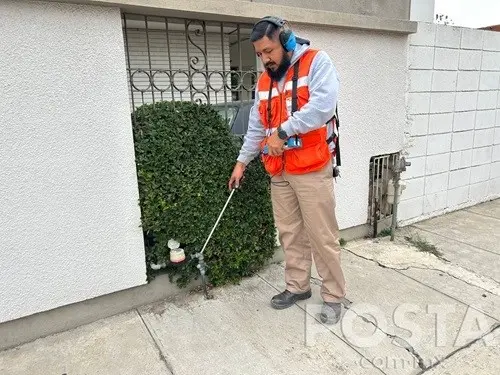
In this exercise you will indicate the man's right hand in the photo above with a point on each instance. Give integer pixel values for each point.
(237, 175)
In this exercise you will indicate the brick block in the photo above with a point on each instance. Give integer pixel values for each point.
(496, 136)
(419, 124)
(461, 159)
(436, 183)
(482, 155)
(442, 102)
(472, 39)
(485, 119)
(489, 81)
(484, 137)
(437, 164)
(448, 36)
(446, 59)
(414, 188)
(411, 208)
(443, 80)
(478, 192)
(460, 177)
(487, 100)
(491, 41)
(462, 141)
(494, 187)
(480, 173)
(421, 57)
(497, 122)
(440, 123)
(425, 36)
(466, 101)
(470, 60)
(438, 143)
(420, 80)
(418, 146)
(464, 120)
(455, 160)
(468, 80)
(417, 168)
(435, 202)
(495, 155)
(495, 170)
(458, 196)
(490, 61)
(418, 103)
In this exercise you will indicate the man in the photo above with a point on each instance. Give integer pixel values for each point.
(302, 184)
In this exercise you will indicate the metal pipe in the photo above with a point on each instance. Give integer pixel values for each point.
(399, 166)
(395, 205)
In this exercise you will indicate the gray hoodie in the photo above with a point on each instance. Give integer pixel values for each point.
(323, 88)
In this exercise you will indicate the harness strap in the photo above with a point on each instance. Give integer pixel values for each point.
(269, 103)
(294, 90)
(294, 86)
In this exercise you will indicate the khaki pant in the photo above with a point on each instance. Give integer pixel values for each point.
(304, 212)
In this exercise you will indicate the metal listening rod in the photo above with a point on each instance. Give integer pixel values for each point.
(217, 222)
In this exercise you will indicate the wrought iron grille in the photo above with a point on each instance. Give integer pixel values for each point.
(381, 172)
(195, 60)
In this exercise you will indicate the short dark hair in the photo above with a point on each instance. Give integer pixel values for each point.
(263, 29)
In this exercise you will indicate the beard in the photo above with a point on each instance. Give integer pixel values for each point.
(280, 72)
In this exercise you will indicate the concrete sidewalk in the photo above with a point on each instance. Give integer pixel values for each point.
(412, 308)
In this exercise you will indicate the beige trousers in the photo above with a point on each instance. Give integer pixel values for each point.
(304, 213)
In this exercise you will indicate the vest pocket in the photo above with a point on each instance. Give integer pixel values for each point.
(307, 159)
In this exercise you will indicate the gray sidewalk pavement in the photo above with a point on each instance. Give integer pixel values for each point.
(429, 302)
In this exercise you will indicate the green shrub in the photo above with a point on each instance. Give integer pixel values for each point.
(185, 154)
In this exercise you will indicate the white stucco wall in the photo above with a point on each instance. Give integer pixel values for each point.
(453, 120)
(69, 223)
(372, 70)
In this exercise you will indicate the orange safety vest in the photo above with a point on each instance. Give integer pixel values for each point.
(314, 153)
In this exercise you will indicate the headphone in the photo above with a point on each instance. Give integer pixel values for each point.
(287, 37)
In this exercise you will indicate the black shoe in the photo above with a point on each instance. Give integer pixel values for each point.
(331, 312)
(287, 299)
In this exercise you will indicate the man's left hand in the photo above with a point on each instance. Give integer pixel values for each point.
(275, 145)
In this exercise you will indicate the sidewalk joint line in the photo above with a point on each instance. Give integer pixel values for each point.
(483, 215)
(157, 345)
(491, 330)
(453, 298)
(454, 239)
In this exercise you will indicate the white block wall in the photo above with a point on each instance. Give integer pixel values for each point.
(70, 219)
(453, 106)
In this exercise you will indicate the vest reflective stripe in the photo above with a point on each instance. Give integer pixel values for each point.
(263, 95)
(314, 153)
(301, 82)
